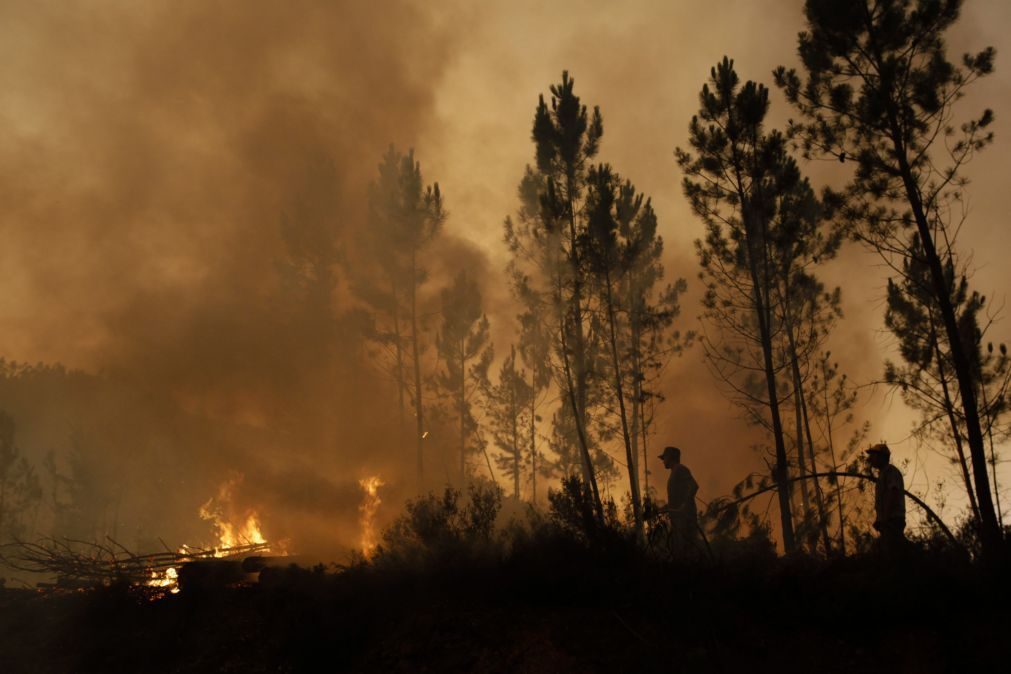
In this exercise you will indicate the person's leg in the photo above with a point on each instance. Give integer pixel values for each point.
(893, 539)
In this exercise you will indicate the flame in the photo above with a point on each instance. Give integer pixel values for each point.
(168, 579)
(370, 503)
(231, 529)
(217, 510)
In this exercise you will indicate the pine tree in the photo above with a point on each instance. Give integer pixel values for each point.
(466, 353)
(609, 203)
(405, 215)
(548, 269)
(736, 183)
(535, 350)
(506, 407)
(650, 310)
(803, 238)
(879, 90)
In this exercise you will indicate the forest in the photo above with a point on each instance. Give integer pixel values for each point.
(280, 393)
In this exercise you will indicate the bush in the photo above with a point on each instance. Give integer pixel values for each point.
(446, 525)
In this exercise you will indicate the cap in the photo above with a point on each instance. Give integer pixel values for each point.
(880, 448)
(673, 452)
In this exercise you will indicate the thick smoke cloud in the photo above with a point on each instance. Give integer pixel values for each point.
(151, 152)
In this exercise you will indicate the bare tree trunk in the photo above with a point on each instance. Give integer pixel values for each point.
(579, 350)
(633, 477)
(401, 384)
(801, 410)
(583, 446)
(645, 458)
(835, 465)
(463, 412)
(517, 457)
(781, 471)
(763, 313)
(533, 438)
(805, 499)
(819, 495)
(993, 454)
(3, 503)
(418, 404)
(487, 459)
(637, 376)
(956, 434)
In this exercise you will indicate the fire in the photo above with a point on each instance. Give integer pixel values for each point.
(168, 579)
(370, 503)
(217, 510)
(232, 528)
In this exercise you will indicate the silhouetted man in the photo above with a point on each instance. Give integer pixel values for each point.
(681, 488)
(889, 500)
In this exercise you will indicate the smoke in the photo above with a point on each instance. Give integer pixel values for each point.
(152, 153)
(644, 63)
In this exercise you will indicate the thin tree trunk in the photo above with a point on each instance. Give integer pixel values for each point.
(579, 352)
(645, 457)
(3, 504)
(633, 477)
(801, 413)
(401, 384)
(491, 471)
(637, 375)
(818, 493)
(533, 437)
(805, 499)
(835, 465)
(956, 434)
(513, 415)
(418, 404)
(634, 436)
(781, 471)
(993, 454)
(583, 446)
(463, 413)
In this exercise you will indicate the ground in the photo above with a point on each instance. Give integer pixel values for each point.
(550, 610)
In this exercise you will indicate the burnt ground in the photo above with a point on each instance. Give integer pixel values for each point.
(557, 608)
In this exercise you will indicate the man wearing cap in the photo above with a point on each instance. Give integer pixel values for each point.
(681, 488)
(889, 500)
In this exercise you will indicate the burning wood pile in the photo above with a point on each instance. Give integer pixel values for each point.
(76, 564)
(240, 554)
(81, 564)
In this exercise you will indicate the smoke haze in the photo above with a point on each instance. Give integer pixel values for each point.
(152, 152)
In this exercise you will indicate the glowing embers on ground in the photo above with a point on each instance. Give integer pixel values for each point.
(368, 508)
(167, 579)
